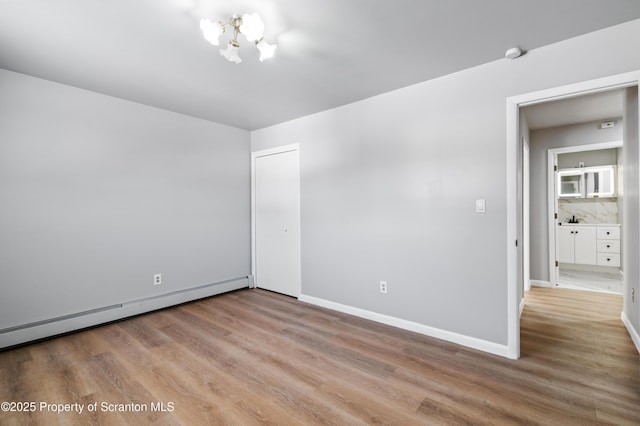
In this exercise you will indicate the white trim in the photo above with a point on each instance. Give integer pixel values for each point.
(275, 150)
(590, 147)
(526, 219)
(254, 156)
(632, 331)
(538, 283)
(449, 336)
(513, 105)
(598, 85)
(522, 306)
(513, 290)
(552, 208)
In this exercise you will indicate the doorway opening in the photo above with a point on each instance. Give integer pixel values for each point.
(516, 261)
(586, 217)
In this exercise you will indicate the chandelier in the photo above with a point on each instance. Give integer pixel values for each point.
(251, 26)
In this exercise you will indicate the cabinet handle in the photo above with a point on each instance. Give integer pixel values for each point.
(576, 232)
(608, 259)
(608, 246)
(608, 233)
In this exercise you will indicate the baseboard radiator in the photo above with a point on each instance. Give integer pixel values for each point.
(16, 335)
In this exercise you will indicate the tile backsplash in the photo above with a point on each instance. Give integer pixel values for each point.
(589, 210)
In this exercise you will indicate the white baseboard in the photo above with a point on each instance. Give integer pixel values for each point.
(449, 336)
(632, 331)
(48, 328)
(521, 306)
(537, 283)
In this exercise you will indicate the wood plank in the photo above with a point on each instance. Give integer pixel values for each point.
(255, 357)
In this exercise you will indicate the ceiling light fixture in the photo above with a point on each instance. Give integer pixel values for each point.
(251, 26)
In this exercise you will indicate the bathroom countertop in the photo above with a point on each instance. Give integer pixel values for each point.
(588, 224)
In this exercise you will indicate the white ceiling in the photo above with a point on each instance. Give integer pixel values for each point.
(581, 109)
(330, 52)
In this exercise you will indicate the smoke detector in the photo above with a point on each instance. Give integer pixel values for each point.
(513, 53)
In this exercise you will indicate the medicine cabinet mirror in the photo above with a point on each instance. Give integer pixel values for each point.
(587, 182)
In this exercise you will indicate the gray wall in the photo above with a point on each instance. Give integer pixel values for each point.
(388, 187)
(541, 141)
(98, 194)
(620, 177)
(630, 251)
(600, 157)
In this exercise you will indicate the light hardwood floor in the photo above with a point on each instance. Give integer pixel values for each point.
(254, 357)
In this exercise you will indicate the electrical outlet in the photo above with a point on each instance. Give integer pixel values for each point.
(383, 287)
(157, 279)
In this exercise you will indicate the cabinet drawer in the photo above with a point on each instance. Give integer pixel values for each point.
(608, 259)
(608, 232)
(608, 246)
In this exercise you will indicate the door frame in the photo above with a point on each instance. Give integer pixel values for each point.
(526, 234)
(254, 156)
(514, 226)
(552, 198)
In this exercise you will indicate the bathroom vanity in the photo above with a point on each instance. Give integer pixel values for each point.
(589, 244)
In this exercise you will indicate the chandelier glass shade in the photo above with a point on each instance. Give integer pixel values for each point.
(249, 25)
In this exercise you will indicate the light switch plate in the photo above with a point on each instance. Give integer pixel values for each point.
(480, 206)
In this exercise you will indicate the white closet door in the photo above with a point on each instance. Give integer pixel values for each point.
(277, 221)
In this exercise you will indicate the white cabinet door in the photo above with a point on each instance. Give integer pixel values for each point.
(277, 218)
(565, 244)
(585, 245)
(577, 244)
